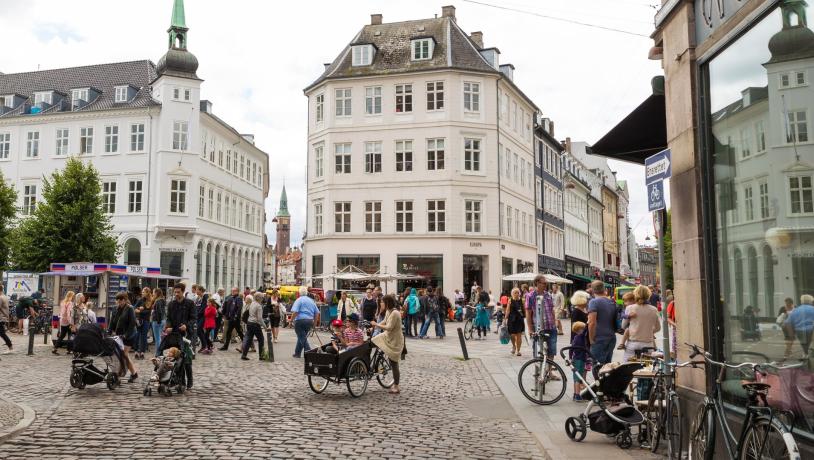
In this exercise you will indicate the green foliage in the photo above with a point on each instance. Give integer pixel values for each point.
(8, 210)
(69, 224)
(668, 251)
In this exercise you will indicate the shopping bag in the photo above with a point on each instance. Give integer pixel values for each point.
(504, 334)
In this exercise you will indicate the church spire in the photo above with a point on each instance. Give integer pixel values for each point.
(283, 211)
(178, 17)
(178, 61)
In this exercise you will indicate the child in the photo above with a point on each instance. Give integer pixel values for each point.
(578, 356)
(210, 314)
(337, 340)
(628, 299)
(353, 336)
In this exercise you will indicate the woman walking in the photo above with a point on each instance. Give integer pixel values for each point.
(158, 318)
(123, 324)
(210, 316)
(412, 305)
(65, 320)
(482, 313)
(82, 313)
(579, 313)
(143, 309)
(275, 314)
(644, 323)
(391, 340)
(515, 321)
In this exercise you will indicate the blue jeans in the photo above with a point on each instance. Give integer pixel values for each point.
(602, 350)
(141, 341)
(157, 328)
(430, 318)
(302, 327)
(551, 341)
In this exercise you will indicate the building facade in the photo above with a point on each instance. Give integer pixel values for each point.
(550, 211)
(184, 190)
(577, 227)
(648, 265)
(420, 158)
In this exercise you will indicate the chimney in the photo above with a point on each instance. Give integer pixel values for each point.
(448, 12)
(551, 128)
(568, 144)
(375, 19)
(327, 65)
(507, 70)
(477, 39)
(206, 106)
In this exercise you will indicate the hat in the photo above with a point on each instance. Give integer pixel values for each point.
(353, 317)
(336, 323)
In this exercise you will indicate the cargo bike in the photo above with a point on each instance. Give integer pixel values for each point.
(354, 367)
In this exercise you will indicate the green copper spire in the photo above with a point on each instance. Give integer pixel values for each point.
(178, 19)
(283, 212)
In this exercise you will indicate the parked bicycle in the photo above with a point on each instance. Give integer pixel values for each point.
(541, 380)
(469, 317)
(763, 435)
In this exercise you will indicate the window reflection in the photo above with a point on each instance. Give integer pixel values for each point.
(761, 107)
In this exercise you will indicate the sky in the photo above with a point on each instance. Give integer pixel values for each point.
(256, 56)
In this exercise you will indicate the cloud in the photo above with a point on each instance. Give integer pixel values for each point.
(46, 32)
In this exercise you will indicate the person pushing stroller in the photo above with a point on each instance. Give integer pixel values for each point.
(180, 313)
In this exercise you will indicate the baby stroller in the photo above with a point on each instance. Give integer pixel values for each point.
(167, 375)
(610, 411)
(90, 342)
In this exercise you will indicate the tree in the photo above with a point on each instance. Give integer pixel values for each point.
(8, 210)
(668, 251)
(68, 225)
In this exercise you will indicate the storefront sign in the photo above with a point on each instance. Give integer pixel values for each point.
(173, 250)
(475, 244)
(22, 284)
(710, 14)
(142, 270)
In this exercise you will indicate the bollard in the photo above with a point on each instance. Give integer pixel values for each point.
(270, 346)
(31, 332)
(463, 343)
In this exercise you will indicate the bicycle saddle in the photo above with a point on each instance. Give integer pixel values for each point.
(757, 387)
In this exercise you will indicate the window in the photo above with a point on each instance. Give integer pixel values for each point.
(749, 203)
(201, 200)
(319, 157)
(472, 218)
(436, 216)
(187, 94)
(801, 78)
(62, 142)
(471, 97)
(525, 236)
(508, 163)
(515, 116)
(342, 217)
(32, 148)
(516, 167)
(109, 197)
(404, 98)
(228, 160)
(472, 155)
(85, 141)
(320, 109)
(435, 95)
(134, 196)
(800, 191)
(523, 174)
(373, 100)
(234, 164)
(233, 221)
(422, 49)
(176, 93)
(784, 80)
(111, 139)
(797, 127)
(435, 154)
(373, 157)
(404, 216)
(509, 221)
(373, 216)
(242, 166)
(5, 145)
(254, 173)
(746, 143)
(516, 223)
(78, 95)
(178, 197)
(43, 97)
(362, 55)
(137, 137)
(404, 156)
(342, 158)
(318, 218)
(180, 133)
(761, 136)
(763, 190)
(29, 199)
(343, 102)
(211, 204)
(218, 204)
(121, 94)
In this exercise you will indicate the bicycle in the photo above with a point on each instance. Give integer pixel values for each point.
(762, 435)
(541, 380)
(469, 325)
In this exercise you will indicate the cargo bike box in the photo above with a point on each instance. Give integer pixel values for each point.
(352, 367)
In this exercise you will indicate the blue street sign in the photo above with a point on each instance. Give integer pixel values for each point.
(657, 167)
(655, 196)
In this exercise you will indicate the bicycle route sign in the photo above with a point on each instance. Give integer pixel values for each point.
(657, 168)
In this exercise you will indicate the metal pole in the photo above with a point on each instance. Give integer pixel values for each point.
(463, 343)
(31, 333)
(660, 217)
(270, 346)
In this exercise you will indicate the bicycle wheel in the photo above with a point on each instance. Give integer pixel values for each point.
(357, 377)
(469, 327)
(702, 434)
(766, 439)
(542, 381)
(383, 371)
(317, 384)
(653, 414)
(672, 427)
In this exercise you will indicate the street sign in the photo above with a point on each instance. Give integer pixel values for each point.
(657, 167)
(655, 196)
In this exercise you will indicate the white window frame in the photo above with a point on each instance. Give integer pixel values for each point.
(373, 157)
(342, 216)
(404, 216)
(135, 195)
(473, 155)
(404, 98)
(436, 216)
(473, 216)
(109, 191)
(112, 139)
(509, 221)
(435, 96)
(137, 131)
(318, 217)
(749, 201)
(319, 110)
(210, 195)
(373, 100)
(801, 191)
(121, 94)
(793, 125)
(373, 216)
(436, 154)
(32, 149)
(421, 49)
(763, 199)
(404, 155)
(178, 196)
(180, 135)
(43, 96)
(343, 100)
(62, 137)
(760, 137)
(471, 96)
(342, 158)
(362, 55)
(79, 94)
(5, 146)
(29, 196)
(319, 160)
(201, 200)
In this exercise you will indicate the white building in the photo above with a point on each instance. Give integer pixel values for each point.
(184, 189)
(419, 143)
(577, 239)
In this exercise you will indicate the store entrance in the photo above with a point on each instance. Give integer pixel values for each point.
(475, 270)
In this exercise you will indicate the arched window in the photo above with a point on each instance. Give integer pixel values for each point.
(739, 306)
(768, 277)
(132, 252)
(199, 263)
(216, 279)
(208, 280)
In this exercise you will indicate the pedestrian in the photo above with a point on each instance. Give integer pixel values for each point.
(275, 314)
(473, 292)
(412, 305)
(232, 308)
(65, 320)
(579, 312)
(304, 314)
(254, 325)
(579, 356)
(601, 324)
(430, 306)
(540, 317)
(504, 299)
(559, 306)
(369, 305)
(144, 310)
(158, 318)
(179, 320)
(210, 315)
(628, 300)
(801, 322)
(219, 296)
(248, 300)
(671, 321)
(345, 306)
(4, 318)
(492, 304)
(643, 321)
(444, 308)
(123, 324)
(26, 308)
(514, 321)
(482, 313)
(391, 340)
(82, 313)
(201, 302)
(655, 298)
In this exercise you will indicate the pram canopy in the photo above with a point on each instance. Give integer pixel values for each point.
(614, 383)
(90, 340)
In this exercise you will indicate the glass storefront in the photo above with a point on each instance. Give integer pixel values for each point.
(316, 270)
(506, 269)
(474, 269)
(429, 267)
(366, 263)
(760, 105)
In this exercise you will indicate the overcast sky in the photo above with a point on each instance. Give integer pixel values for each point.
(256, 56)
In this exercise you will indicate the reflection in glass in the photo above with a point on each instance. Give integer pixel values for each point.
(761, 107)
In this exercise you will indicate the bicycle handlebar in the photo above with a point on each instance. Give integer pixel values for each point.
(696, 350)
(564, 349)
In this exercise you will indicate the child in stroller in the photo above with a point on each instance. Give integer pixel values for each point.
(167, 373)
(89, 343)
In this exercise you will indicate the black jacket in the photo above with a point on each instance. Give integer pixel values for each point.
(123, 322)
(232, 307)
(159, 310)
(369, 308)
(179, 313)
(443, 305)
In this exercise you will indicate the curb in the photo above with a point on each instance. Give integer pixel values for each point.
(28, 418)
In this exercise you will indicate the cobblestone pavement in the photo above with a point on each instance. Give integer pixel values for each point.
(447, 409)
(10, 414)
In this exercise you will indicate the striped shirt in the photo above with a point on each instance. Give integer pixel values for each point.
(354, 336)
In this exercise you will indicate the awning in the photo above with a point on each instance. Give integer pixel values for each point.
(584, 279)
(640, 134)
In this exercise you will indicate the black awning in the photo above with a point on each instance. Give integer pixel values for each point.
(640, 134)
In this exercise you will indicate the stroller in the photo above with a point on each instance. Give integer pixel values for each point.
(90, 342)
(168, 370)
(610, 411)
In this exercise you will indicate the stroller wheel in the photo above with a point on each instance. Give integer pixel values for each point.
(112, 381)
(180, 389)
(76, 380)
(624, 440)
(575, 428)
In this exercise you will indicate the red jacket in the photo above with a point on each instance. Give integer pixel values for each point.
(209, 317)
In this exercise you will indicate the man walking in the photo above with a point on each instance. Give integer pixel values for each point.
(443, 310)
(801, 322)
(601, 324)
(254, 326)
(304, 314)
(232, 307)
(430, 307)
(559, 306)
(540, 317)
(180, 317)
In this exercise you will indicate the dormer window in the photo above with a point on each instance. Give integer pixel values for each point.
(422, 49)
(7, 101)
(121, 93)
(43, 97)
(362, 55)
(79, 95)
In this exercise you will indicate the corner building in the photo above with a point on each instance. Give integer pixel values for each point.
(418, 142)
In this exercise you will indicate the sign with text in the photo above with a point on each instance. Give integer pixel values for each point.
(655, 196)
(657, 167)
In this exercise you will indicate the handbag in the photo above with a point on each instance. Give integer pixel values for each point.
(504, 334)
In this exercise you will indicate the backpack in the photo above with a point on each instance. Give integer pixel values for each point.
(245, 316)
(432, 304)
(412, 305)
